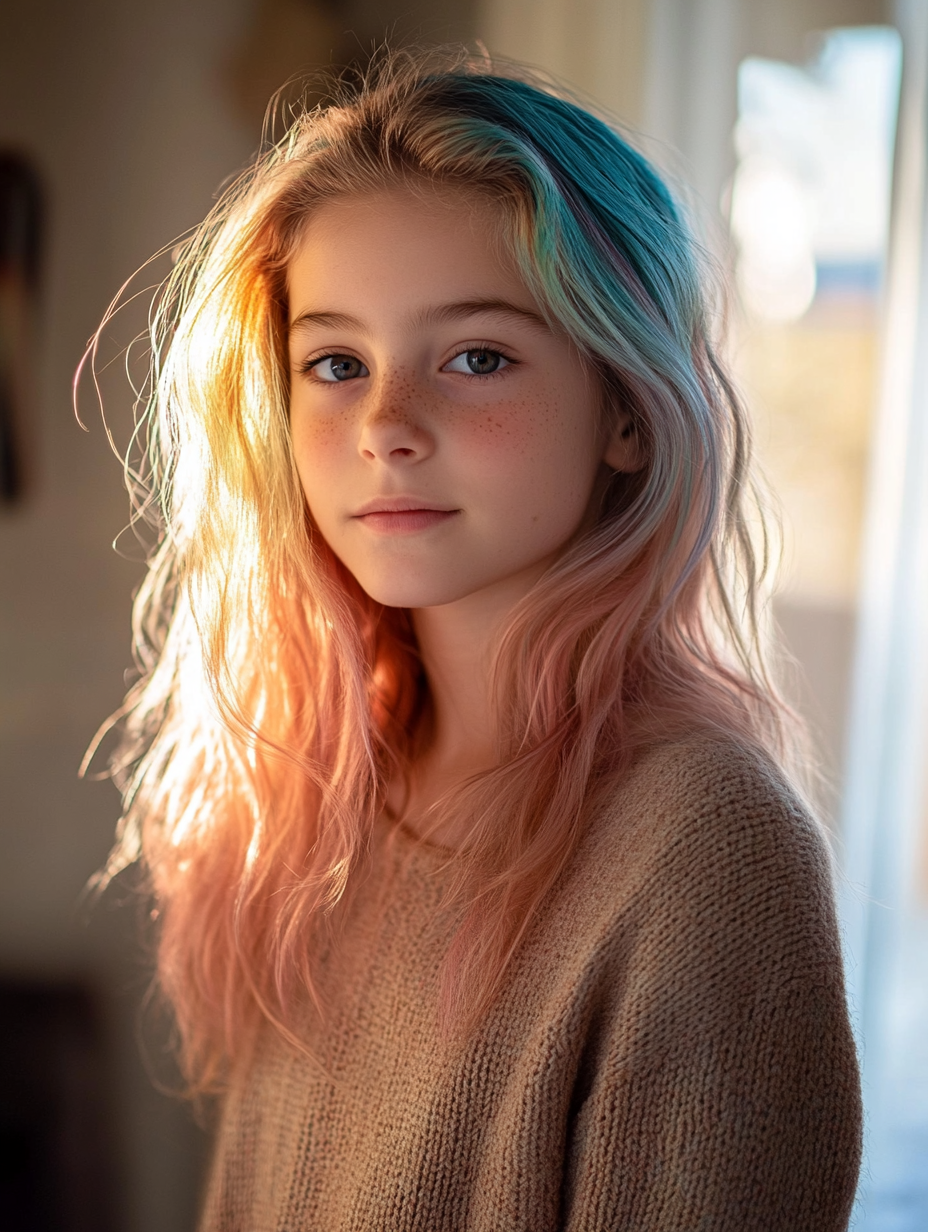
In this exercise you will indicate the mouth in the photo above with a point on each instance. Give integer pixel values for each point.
(402, 514)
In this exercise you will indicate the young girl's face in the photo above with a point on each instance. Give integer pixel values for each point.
(447, 440)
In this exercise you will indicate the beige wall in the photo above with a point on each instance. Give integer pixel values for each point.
(123, 107)
(597, 47)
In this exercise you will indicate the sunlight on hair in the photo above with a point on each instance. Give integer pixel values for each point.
(277, 699)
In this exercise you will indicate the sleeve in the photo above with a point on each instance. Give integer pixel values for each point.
(721, 1091)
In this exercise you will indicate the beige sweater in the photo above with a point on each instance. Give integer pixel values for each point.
(671, 1052)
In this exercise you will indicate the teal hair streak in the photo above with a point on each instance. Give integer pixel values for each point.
(613, 262)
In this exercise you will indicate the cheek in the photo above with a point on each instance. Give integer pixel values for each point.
(316, 449)
(509, 439)
(540, 452)
(313, 435)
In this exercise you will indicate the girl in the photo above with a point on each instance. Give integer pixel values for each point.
(483, 895)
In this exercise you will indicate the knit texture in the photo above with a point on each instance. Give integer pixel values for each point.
(671, 1051)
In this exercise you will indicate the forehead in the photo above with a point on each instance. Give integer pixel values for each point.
(437, 199)
(414, 239)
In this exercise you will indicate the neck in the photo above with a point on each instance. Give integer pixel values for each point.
(456, 651)
(457, 641)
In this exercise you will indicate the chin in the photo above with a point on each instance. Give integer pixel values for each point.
(395, 591)
(407, 596)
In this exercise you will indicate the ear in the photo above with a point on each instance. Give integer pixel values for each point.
(624, 450)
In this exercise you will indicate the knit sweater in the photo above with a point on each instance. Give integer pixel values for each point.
(670, 1052)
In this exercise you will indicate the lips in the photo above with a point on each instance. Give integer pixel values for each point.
(403, 514)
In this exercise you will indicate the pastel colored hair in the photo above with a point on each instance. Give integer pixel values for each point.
(276, 699)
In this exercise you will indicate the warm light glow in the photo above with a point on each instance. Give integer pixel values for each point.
(772, 220)
(810, 197)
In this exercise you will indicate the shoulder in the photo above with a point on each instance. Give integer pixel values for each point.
(717, 995)
(705, 775)
(707, 798)
(710, 910)
(708, 836)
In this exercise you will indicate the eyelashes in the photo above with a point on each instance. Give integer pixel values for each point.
(477, 360)
(334, 368)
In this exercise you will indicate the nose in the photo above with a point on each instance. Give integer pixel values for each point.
(394, 426)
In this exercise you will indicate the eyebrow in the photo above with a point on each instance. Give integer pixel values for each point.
(440, 314)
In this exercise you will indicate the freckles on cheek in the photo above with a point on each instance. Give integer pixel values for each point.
(315, 430)
(314, 451)
(536, 452)
(527, 443)
(506, 436)
(315, 442)
(520, 447)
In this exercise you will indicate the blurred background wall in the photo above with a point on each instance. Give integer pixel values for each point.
(131, 115)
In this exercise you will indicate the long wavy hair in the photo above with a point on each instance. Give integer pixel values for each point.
(276, 700)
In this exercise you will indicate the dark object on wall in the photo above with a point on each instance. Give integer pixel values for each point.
(56, 1144)
(20, 242)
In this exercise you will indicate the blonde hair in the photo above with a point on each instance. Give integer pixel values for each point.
(276, 699)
